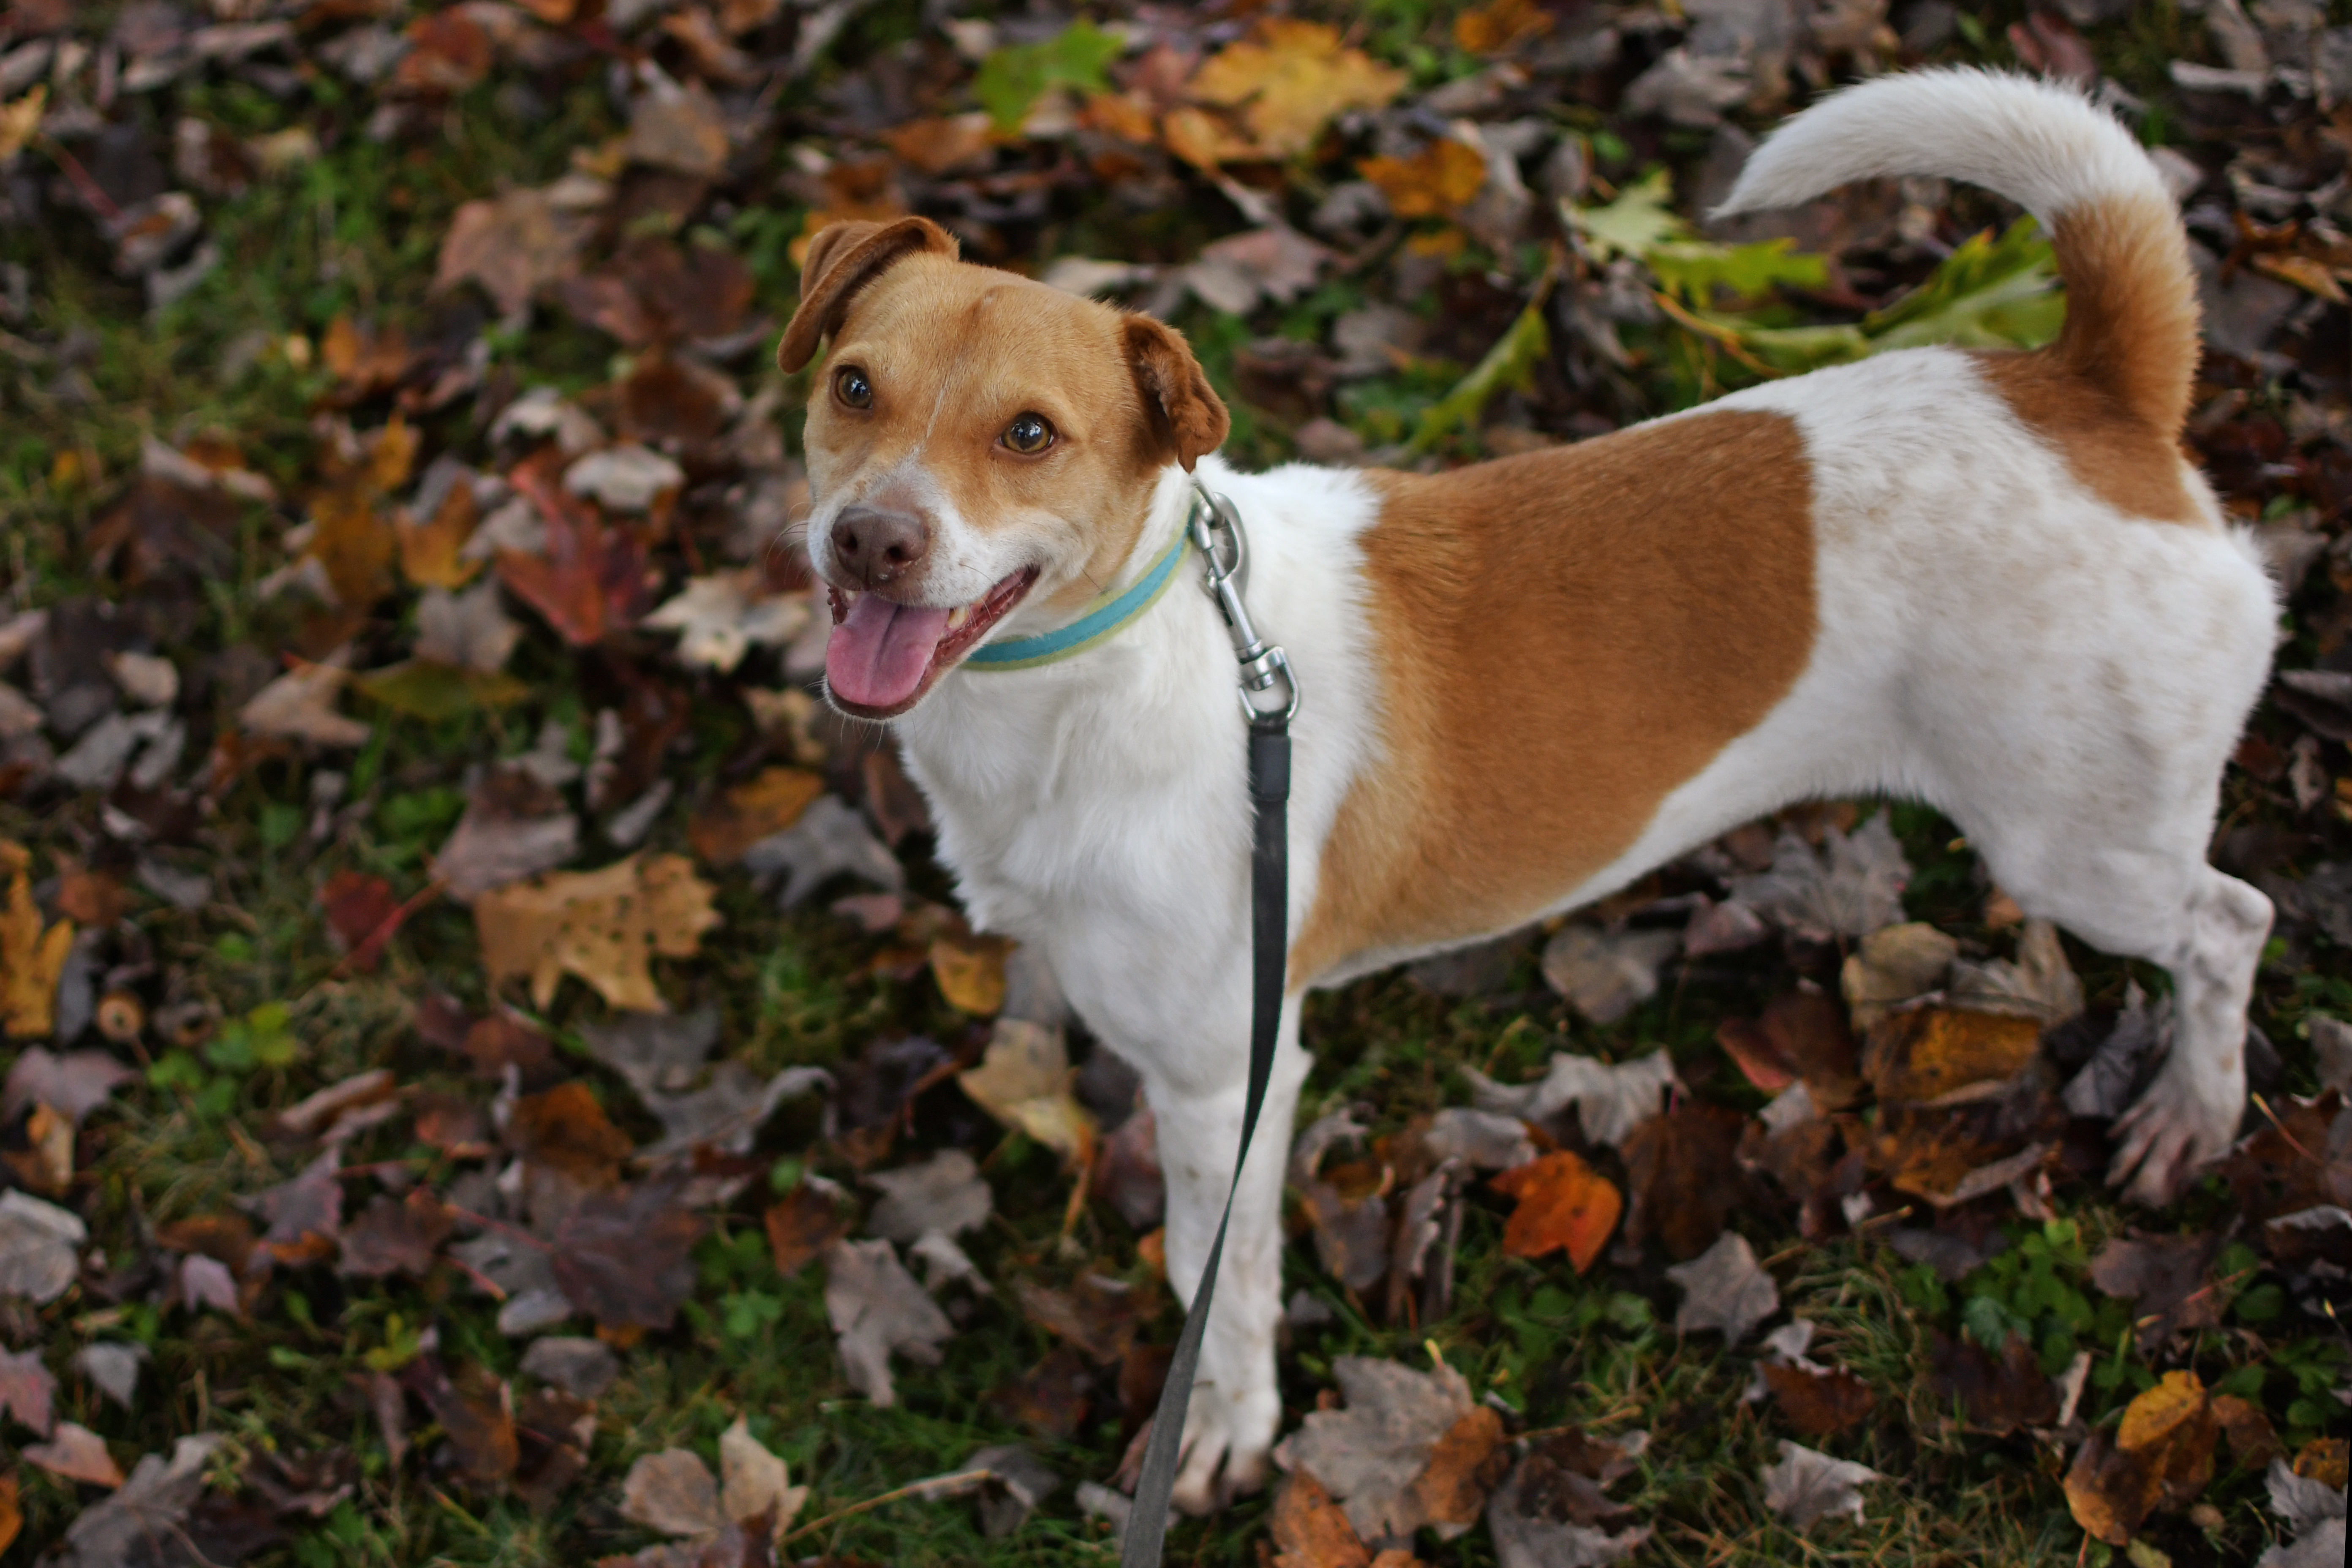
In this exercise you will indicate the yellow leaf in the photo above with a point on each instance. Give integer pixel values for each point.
(1288, 78)
(751, 811)
(20, 121)
(429, 551)
(1024, 1083)
(2158, 1412)
(1442, 177)
(1497, 28)
(391, 453)
(31, 958)
(602, 926)
(970, 972)
(2304, 272)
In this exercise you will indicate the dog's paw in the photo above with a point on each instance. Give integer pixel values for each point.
(1226, 1441)
(2184, 1121)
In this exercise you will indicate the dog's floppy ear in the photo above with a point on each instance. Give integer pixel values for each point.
(1186, 414)
(843, 258)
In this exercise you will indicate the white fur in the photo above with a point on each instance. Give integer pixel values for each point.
(2065, 682)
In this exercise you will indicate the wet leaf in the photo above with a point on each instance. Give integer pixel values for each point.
(1563, 1203)
(626, 1257)
(1820, 1404)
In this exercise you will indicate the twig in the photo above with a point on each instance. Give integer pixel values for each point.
(930, 1486)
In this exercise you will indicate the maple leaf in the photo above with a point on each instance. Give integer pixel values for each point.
(680, 129)
(1610, 1101)
(1286, 81)
(602, 926)
(77, 1454)
(2160, 1456)
(830, 839)
(511, 245)
(1376, 1454)
(32, 956)
(765, 805)
(1441, 179)
(76, 1083)
(299, 706)
(2166, 1278)
(396, 1235)
(1606, 974)
(1852, 887)
(2038, 984)
(39, 1247)
(1310, 1531)
(26, 1388)
(590, 578)
(877, 1310)
(1024, 1080)
(1563, 1202)
(626, 1257)
(1725, 1289)
(946, 1193)
(1808, 1486)
(432, 552)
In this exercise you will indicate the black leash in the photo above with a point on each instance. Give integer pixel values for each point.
(1265, 668)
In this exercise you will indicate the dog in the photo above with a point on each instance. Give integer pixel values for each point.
(1988, 580)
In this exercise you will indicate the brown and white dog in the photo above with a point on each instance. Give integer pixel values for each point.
(1988, 580)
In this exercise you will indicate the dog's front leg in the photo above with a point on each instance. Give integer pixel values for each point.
(1236, 1405)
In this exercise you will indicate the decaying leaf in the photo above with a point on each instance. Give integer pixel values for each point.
(626, 1257)
(2166, 1278)
(721, 617)
(800, 1226)
(753, 1483)
(1725, 1290)
(26, 1389)
(1683, 1172)
(878, 1311)
(1310, 1531)
(1606, 974)
(77, 1454)
(1371, 1454)
(1024, 1083)
(673, 1492)
(1819, 1404)
(1563, 1203)
(511, 245)
(299, 706)
(602, 926)
(2039, 983)
(75, 1083)
(1932, 1057)
(1552, 1510)
(151, 1506)
(1610, 1101)
(1995, 1395)
(514, 826)
(39, 1247)
(759, 808)
(830, 839)
(1851, 886)
(1808, 1486)
(32, 955)
(2160, 1456)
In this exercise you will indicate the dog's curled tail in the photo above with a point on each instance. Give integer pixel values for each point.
(2131, 297)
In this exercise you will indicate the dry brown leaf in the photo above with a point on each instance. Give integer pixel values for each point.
(1925, 1055)
(566, 1129)
(299, 705)
(602, 926)
(1499, 26)
(77, 1454)
(1563, 1202)
(432, 552)
(1310, 1531)
(626, 1257)
(1682, 1170)
(800, 1226)
(1024, 1083)
(942, 145)
(1441, 179)
(1998, 1396)
(2160, 1456)
(511, 245)
(1819, 1404)
(748, 812)
(32, 955)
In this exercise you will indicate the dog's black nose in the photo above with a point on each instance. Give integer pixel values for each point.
(872, 547)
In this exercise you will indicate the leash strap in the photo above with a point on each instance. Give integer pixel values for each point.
(1269, 788)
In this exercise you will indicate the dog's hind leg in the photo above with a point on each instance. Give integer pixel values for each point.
(2150, 895)
(1236, 1404)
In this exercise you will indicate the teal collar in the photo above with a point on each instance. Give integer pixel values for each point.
(1102, 620)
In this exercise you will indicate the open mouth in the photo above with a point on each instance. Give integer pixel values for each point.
(883, 656)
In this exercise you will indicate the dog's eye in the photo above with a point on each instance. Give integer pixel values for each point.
(849, 384)
(1029, 434)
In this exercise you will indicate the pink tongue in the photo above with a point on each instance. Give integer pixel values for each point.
(876, 658)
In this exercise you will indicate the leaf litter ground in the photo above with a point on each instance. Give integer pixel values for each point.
(495, 1074)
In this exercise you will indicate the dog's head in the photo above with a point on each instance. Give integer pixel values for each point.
(975, 441)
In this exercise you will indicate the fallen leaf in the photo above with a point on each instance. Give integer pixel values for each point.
(1127, 1173)
(1285, 81)
(77, 1454)
(1725, 1290)
(1024, 1083)
(2108, 1083)
(2168, 1280)
(626, 1257)
(590, 578)
(511, 245)
(32, 955)
(1563, 1203)
(1852, 887)
(757, 808)
(877, 1310)
(602, 926)
(26, 1388)
(800, 1226)
(152, 1506)
(1928, 1056)
(582, 1368)
(1310, 1531)
(1545, 1513)
(112, 1367)
(1808, 1486)
(1439, 180)
(2254, 1441)
(362, 914)
(673, 1492)
(396, 1235)
(1801, 1036)
(1610, 1101)
(1606, 974)
(969, 971)
(753, 1482)
(1484, 1139)
(2039, 983)
(1499, 26)
(941, 145)
(12, 1513)
(1463, 1468)
(680, 129)
(566, 1129)
(1820, 1404)
(1682, 1172)
(76, 1083)
(1050, 1399)
(2160, 1456)
(830, 839)
(946, 1193)
(469, 631)
(514, 826)
(303, 1216)
(476, 1410)
(1994, 1396)
(432, 553)
(1370, 1454)
(299, 706)
(721, 617)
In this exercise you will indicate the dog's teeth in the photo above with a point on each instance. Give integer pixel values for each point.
(957, 616)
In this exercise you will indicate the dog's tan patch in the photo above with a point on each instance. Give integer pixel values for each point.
(2121, 459)
(1563, 639)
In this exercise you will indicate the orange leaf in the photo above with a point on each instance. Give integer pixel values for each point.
(1442, 177)
(1494, 30)
(751, 811)
(1287, 79)
(970, 972)
(429, 551)
(1310, 1531)
(1563, 1202)
(591, 577)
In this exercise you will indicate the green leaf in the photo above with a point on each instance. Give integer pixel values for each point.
(746, 1312)
(1510, 365)
(1014, 77)
(1694, 270)
(177, 1069)
(1988, 293)
(437, 692)
(1639, 220)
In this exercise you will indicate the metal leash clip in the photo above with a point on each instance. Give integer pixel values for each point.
(1264, 667)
